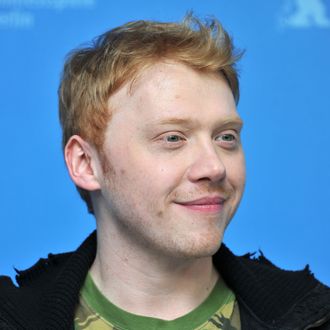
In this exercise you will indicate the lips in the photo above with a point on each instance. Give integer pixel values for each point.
(205, 204)
(205, 201)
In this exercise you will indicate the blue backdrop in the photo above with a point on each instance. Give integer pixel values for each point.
(285, 83)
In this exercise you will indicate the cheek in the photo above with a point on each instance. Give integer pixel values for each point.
(168, 176)
(160, 172)
(149, 176)
(236, 171)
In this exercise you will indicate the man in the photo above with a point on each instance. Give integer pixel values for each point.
(151, 139)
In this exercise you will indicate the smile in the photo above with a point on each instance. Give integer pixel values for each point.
(207, 204)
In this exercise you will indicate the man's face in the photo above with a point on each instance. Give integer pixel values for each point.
(175, 168)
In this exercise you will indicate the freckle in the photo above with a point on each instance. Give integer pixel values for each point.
(160, 214)
(122, 172)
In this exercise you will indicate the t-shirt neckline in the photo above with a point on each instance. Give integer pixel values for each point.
(219, 296)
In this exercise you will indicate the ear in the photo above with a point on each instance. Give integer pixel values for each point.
(81, 159)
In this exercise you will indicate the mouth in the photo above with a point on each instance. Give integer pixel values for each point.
(205, 204)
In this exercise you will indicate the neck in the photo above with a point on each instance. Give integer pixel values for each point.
(150, 284)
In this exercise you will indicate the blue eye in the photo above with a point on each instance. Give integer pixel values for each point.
(228, 140)
(228, 137)
(172, 141)
(173, 138)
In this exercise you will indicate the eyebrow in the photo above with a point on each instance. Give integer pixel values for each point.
(188, 122)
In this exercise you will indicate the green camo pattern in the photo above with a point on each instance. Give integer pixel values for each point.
(95, 312)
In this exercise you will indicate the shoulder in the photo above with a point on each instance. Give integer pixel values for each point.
(47, 270)
(38, 275)
(271, 294)
(46, 293)
(19, 302)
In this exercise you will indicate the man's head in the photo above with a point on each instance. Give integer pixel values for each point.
(93, 74)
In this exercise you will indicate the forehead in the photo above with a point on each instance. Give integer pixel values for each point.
(168, 89)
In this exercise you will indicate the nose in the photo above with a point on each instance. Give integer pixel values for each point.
(207, 166)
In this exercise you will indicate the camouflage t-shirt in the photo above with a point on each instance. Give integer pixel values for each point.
(95, 312)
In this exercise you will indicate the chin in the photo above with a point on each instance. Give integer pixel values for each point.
(199, 247)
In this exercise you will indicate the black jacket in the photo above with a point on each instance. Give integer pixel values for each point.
(268, 297)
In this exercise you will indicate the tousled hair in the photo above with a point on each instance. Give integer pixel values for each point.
(92, 74)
